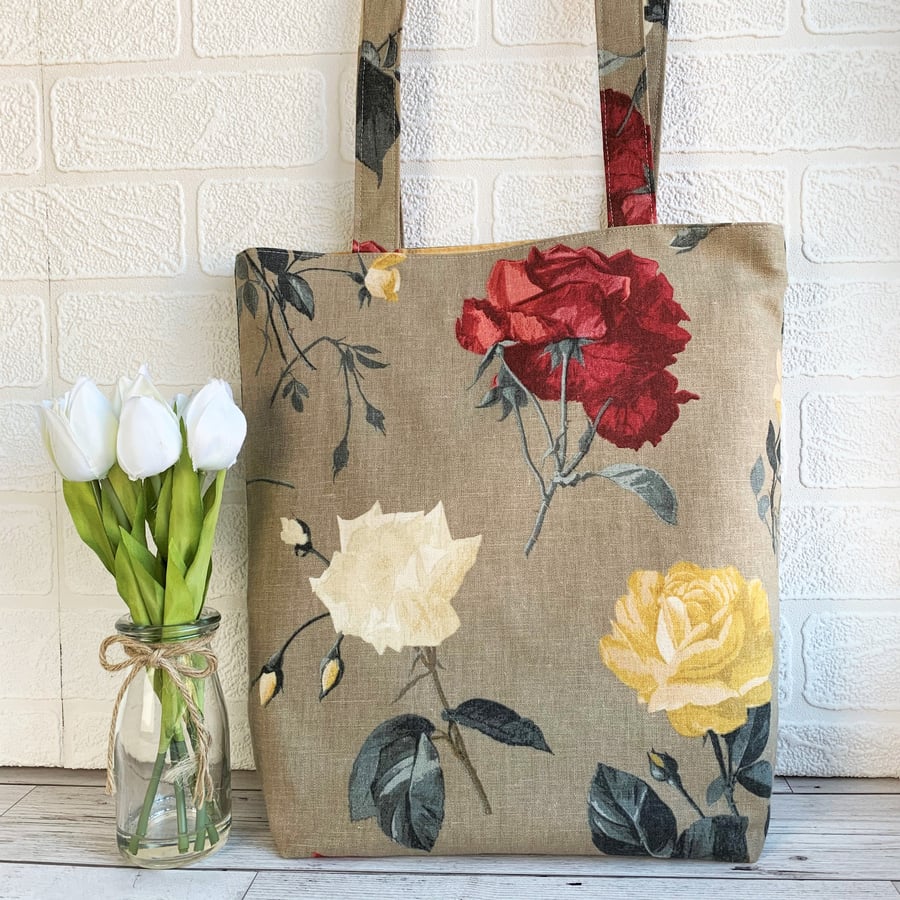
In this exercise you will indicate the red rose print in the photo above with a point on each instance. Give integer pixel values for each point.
(578, 326)
(367, 247)
(629, 180)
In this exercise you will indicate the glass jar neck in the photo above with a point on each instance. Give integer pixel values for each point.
(206, 623)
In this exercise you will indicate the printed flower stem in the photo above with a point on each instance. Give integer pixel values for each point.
(454, 735)
(726, 775)
(679, 786)
(537, 407)
(303, 627)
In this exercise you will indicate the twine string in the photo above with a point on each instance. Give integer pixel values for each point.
(171, 658)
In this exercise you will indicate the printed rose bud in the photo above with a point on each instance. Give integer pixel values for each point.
(79, 431)
(383, 279)
(215, 426)
(663, 767)
(296, 533)
(270, 680)
(149, 438)
(331, 671)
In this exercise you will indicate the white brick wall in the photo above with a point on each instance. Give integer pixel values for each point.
(139, 151)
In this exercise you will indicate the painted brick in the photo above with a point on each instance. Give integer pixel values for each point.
(23, 234)
(231, 648)
(226, 28)
(241, 744)
(82, 572)
(192, 120)
(301, 214)
(765, 102)
(29, 656)
(850, 661)
(835, 552)
(443, 24)
(23, 341)
(74, 31)
(116, 230)
(757, 18)
(85, 734)
(229, 578)
(850, 16)
(544, 22)
(867, 195)
(785, 663)
(842, 329)
(19, 40)
(850, 440)
(439, 212)
(26, 547)
(827, 749)
(41, 721)
(545, 108)
(187, 338)
(20, 151)
(722, 195)
(24, 464)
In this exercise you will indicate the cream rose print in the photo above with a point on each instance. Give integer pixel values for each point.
(697, 645)
(391, 584)
(275, 287)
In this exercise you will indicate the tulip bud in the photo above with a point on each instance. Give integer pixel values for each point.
(149, 440)
(215, 427)
(79, 431)
(331, 670)
(296, 533)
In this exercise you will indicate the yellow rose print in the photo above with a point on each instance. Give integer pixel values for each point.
(696, 643)
(383, 279)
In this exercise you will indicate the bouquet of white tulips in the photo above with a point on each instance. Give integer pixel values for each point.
(143, 481)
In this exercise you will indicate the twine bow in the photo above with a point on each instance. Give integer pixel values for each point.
(170, 657)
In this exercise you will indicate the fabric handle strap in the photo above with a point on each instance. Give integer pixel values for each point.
(631, 40)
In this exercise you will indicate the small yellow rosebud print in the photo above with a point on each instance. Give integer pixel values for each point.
(331, 671)
(296, 534)
(383, 279)
(269, 685)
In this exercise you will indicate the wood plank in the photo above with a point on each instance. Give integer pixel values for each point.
(843, 785)
(11, 794)
(818, 837)
(25, 882)
(289, 885)
(780, 785)
(241, 779)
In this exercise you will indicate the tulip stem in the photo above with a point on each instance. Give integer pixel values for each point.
(116, 504)
(454, 737)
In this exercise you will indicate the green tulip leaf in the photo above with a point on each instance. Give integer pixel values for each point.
(163, 513)
(186, 516)
(197, 576)
(82, 504)
(147, 575)
(128, 587)
(179, 603)
(111, 521)
(126, 490)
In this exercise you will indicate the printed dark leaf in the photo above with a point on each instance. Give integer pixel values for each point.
(397, 779)
(241, 272)
(657, 11)
(770, 447)
(757, 475)
(296, 291)
(305, 256)
(273, 260)
(365, 298)
(489, 399)
(608, 62)
(747, 743)
(340, 458)
(649, 485)
(377, 122)
(715, 790)
(375, 417)
(347, 360)
(250, 297)
(687, 238)
(365, 348)
(356, 277)
(626, 817)
(722, 838)
(485, 362)
(762, 506)
(298, 392)
(757, 778)
(390, 56)
(370, 363)
(498, 722)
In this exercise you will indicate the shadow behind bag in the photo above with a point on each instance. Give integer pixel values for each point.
(513, 516)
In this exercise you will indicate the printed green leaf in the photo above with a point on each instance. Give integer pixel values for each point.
(370, 363)
(626, 817)
(340, 458)
(762, 506)
(687, 238)
(498, 722)
(757, 475)
(296, 291)
(608, 62)
(82, 505)
(375, 418)
(649, 485)
(715, 791)
(747, 743)
(377, 122)
(273, 260)
(722, 838)
(241, 270)
(771, 450)
(397, 780)
(249, 297)
(757, 778)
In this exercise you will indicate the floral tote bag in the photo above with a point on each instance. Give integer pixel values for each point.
(513, 517)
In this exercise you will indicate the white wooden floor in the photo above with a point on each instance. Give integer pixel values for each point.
(829, 838)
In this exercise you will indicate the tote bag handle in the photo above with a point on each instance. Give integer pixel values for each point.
(631, 70)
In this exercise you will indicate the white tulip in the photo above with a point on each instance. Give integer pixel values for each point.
(215, 427)
(149, 439)
(79, 432)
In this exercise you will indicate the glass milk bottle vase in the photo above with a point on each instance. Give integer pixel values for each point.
(169, 811)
